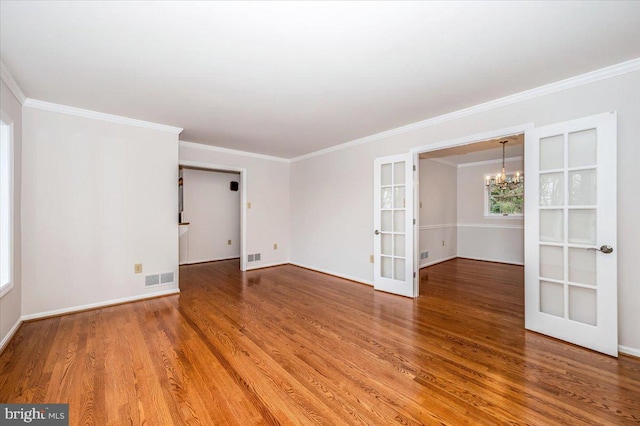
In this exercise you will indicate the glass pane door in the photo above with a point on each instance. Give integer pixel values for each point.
(568, 194)
(570, 276)
(393, 235)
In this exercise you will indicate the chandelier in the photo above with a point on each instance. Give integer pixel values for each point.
(501, 180)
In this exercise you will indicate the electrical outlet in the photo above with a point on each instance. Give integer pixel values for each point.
(371, 259)
(275, 246)
(137, 268)
(228, 242)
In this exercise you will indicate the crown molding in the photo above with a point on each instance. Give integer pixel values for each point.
(64, 109)
(195, 145)
(11, 83)
(496, 161)
(85, 113)
(569, 83)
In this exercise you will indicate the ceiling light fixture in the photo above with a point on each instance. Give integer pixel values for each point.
(501, 180)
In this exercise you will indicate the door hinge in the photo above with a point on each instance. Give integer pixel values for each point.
(414, 275)
(414, 221)
(414, 167)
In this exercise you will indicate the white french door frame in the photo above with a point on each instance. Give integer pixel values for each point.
(388, 279)
(465, 140)
(602, 334)
(243, 200)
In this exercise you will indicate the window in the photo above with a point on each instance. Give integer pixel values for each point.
(6, 205)
(503, 202)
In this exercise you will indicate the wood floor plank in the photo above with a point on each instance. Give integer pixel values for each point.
(286, 345)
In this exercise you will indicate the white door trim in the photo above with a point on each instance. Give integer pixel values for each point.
(243, 200)
(478, 137)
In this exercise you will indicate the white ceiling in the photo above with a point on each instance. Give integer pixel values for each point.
(289, 78)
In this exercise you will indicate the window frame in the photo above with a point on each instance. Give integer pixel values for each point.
(7, 159)
(487, 210)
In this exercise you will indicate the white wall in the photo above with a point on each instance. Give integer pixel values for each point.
(332, 212)
(332, 194)
(439, 211)
(213, 213)
(493, 239)
(267, 183)
(10, 303)
(98, 197)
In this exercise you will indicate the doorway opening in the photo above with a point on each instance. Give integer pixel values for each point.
(461, 209)
(212, 213)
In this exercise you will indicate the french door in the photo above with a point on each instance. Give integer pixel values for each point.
(570, 232)
(393, 222)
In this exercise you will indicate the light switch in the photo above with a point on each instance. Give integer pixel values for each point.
(371, 259)
(137, 268)
(275, 246)
(248, 204)
(228, 242)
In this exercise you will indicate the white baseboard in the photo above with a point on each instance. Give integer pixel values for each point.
(192, 262)
(492, 260)
(433, 262)
(99, 304)
(266, 265)
(629, 351)
(5, 341)
(335, 274)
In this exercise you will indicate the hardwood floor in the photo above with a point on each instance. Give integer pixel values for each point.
(286, 345)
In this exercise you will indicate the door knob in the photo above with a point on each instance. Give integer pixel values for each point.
(376, 232)
(606, 249)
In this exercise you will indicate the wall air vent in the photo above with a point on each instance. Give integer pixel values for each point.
(166, 278)
(159, 279)
(152, 280)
